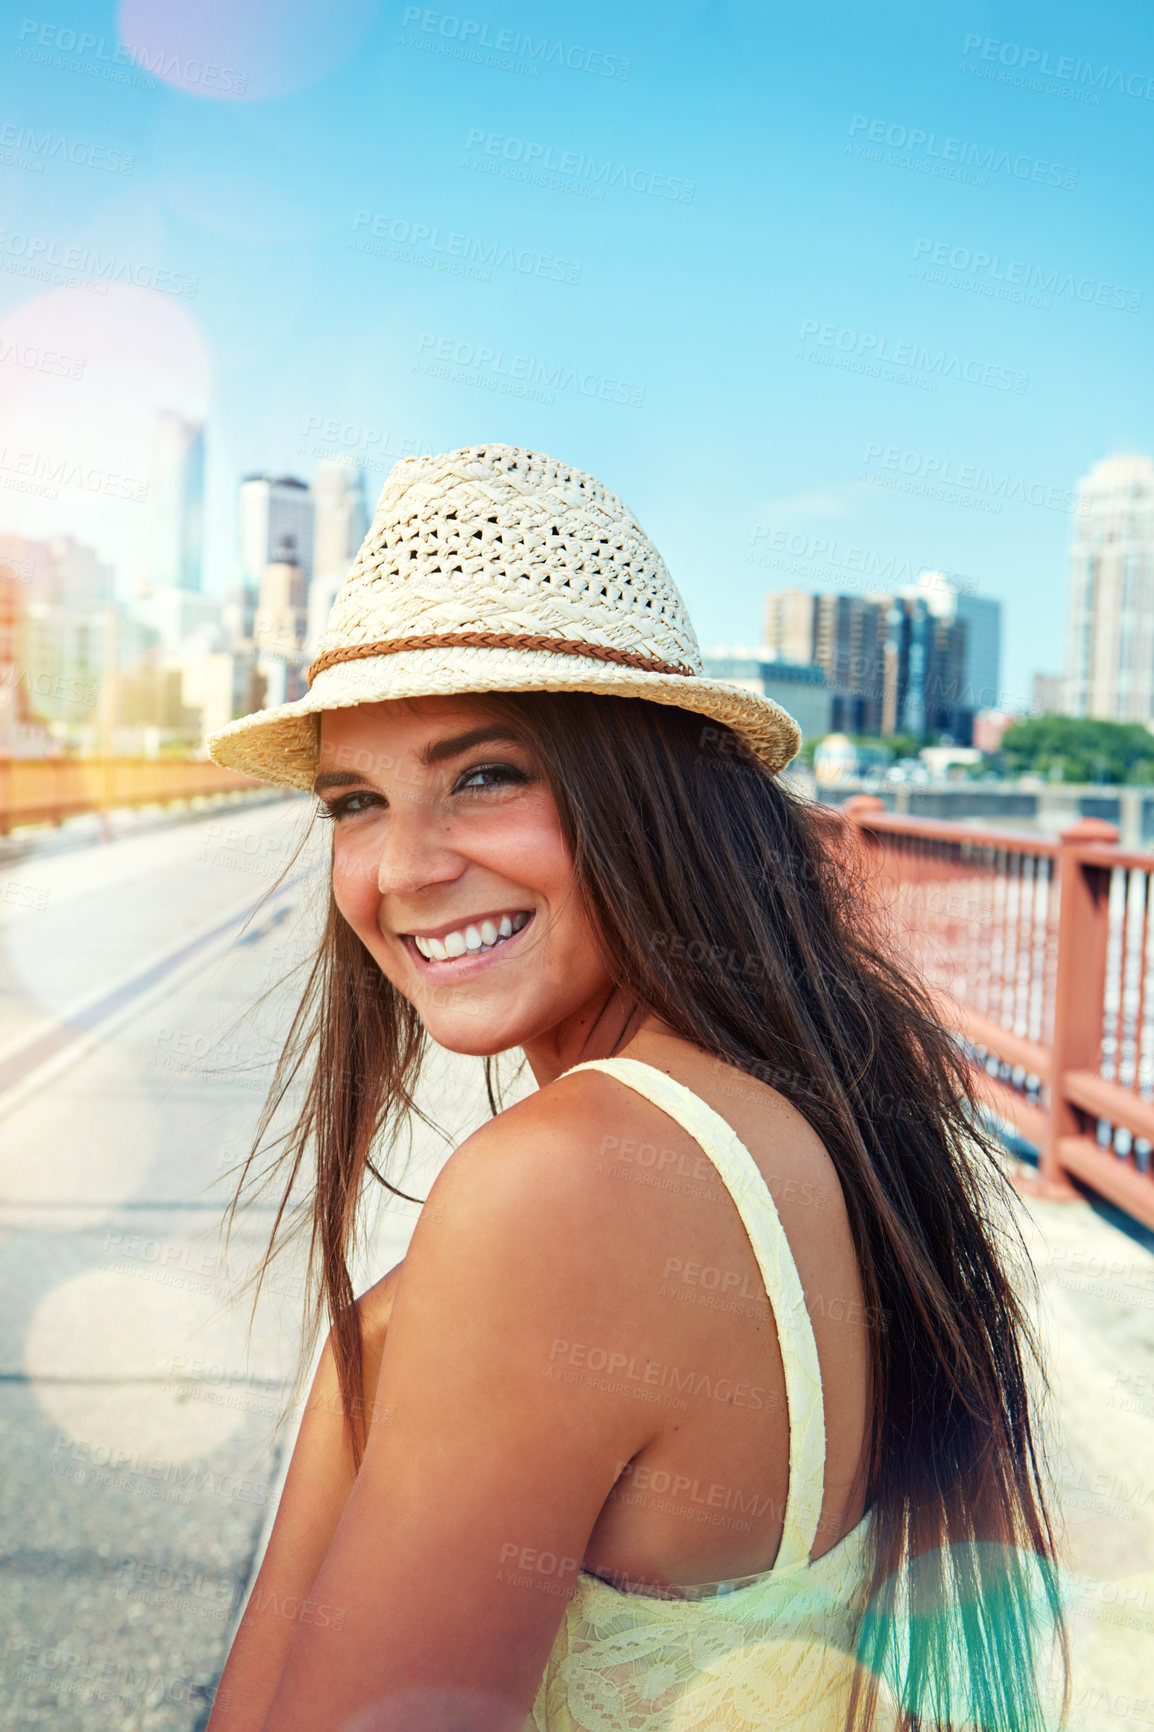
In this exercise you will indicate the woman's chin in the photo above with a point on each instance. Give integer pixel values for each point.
(466, 1048)
(472, 1036)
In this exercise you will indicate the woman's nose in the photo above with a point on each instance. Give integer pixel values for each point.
(414, 852)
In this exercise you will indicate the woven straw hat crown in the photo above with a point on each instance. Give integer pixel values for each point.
(498, 569)
(501, 541)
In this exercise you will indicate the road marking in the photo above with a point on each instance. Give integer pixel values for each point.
(24, 1062)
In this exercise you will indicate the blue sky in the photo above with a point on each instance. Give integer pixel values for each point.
(783, 287)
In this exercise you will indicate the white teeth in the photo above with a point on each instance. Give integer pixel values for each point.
(471, 939)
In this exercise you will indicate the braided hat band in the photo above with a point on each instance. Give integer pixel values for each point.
(497, 569)
(496, 640)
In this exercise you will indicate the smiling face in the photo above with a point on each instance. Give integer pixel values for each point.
(450, 865)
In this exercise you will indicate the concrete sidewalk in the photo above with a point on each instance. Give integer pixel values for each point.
(1095, 1318)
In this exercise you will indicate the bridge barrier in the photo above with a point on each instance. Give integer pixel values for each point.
(1040, 954)
(48, 790)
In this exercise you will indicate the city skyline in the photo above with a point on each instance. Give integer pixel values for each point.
(276, 515)
(893, 299)
(921, 658)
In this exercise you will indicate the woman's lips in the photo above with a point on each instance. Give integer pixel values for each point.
(469, 946)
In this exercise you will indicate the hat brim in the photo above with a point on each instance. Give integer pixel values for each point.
(282, 745)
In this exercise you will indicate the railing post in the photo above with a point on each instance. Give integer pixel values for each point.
(1079, 990)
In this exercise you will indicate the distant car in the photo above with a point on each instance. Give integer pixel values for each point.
(910, 770)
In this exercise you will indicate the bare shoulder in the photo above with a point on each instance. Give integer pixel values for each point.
(523, 1255)
(540, 1165)
(555, 1221)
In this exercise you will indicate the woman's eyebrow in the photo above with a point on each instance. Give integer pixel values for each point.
(438, 750)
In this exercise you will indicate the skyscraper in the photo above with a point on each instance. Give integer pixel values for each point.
(1049, 694)
(849, 639)
(843, 635)
(1110, 660)
(174, 529)
(276, 526)
(979, 682)
(925, 662)
(789, 619)
(341, 516)
(279, 628)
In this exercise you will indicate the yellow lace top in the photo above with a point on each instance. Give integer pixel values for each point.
(753, 1655)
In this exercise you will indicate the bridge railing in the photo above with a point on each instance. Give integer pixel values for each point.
(48, 790)
(1040, 954)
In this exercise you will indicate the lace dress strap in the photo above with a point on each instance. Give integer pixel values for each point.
(740, 1174)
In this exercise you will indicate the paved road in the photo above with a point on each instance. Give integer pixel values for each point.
(139, 1423)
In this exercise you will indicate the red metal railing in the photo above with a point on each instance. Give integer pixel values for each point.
(48, 790)
(1040, 952)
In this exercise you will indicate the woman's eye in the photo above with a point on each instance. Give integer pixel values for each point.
(486, 776)
(348, 805)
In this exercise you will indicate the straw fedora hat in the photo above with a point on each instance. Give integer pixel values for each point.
(496, 569)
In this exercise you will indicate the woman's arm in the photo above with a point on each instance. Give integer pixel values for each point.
(320, 1478)
(462, 1539)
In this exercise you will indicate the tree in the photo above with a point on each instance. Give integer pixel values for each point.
(1079, 749)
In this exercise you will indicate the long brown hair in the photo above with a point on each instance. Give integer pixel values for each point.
(735, 912)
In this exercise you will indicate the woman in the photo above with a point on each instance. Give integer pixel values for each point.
(699, 1399)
